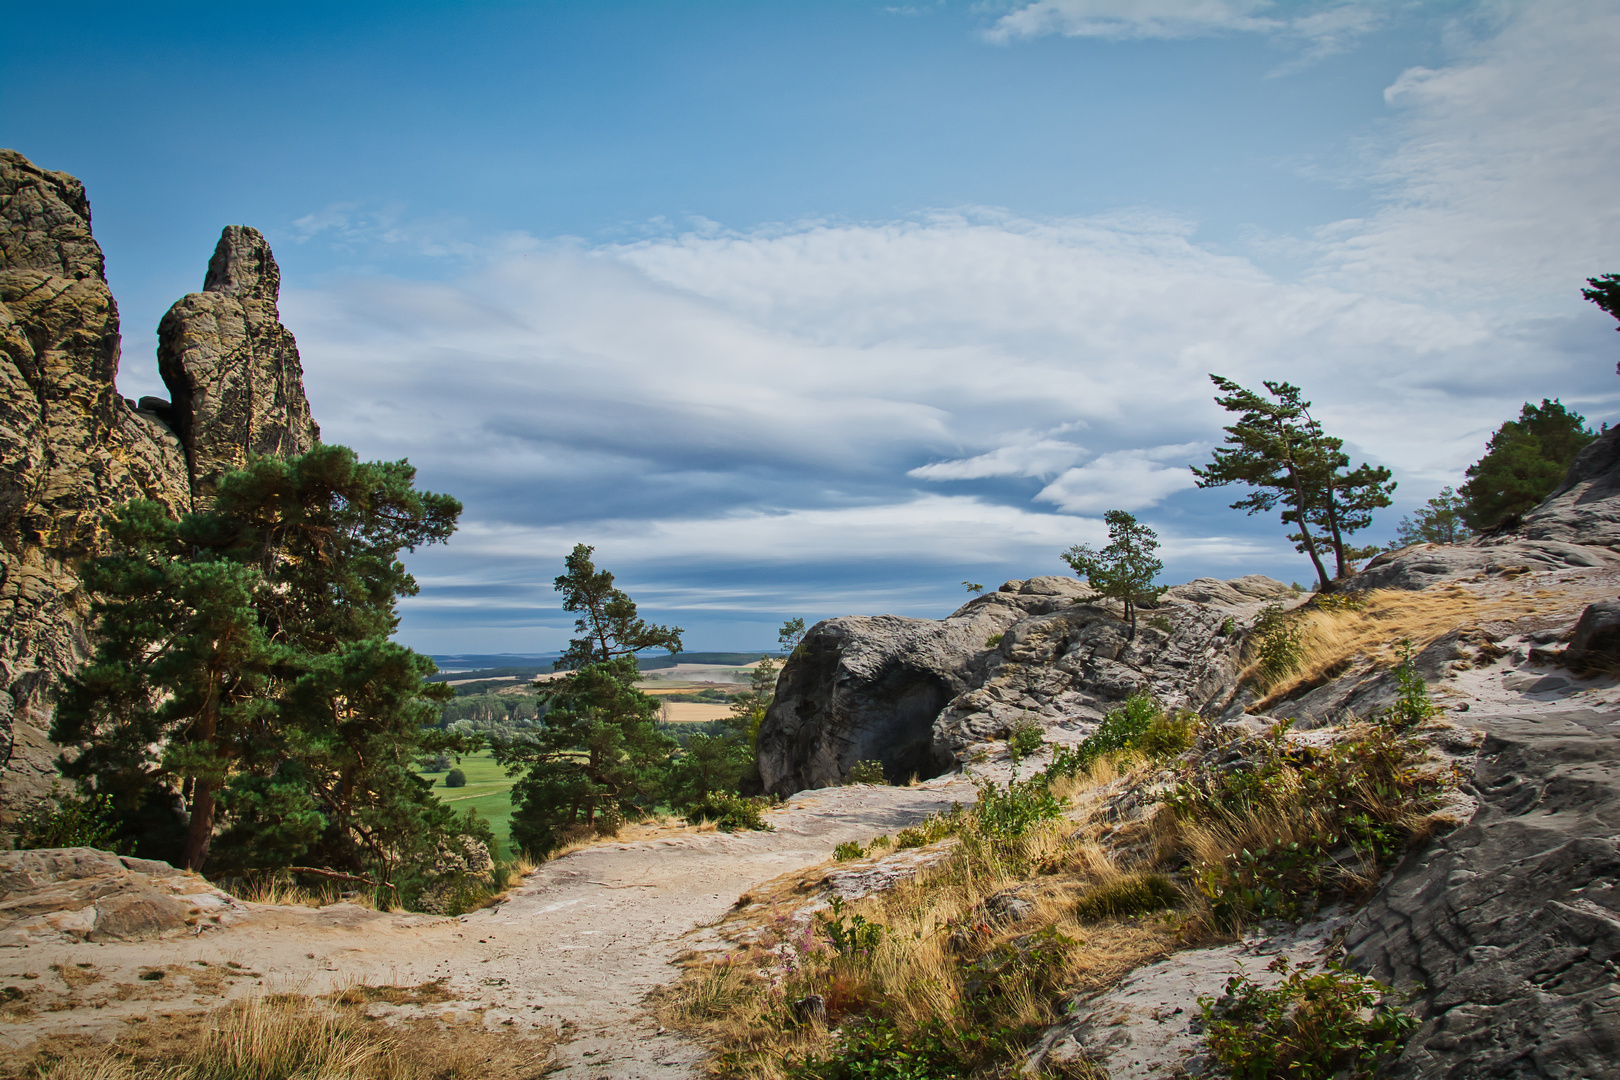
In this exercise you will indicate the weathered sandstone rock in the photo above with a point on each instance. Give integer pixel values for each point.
(1511, 924)
(71, 448)
(918, 693)
(232, 368)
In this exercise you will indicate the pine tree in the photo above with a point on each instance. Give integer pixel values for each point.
(1125, 569)
(599, 758)
(1524, 462)
(244, 678)
(1439, 521)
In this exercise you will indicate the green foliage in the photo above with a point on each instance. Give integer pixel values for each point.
(244, 679)
(1275, 645)
(848, 850)
(866, 772)
(1125, 569)
(598, 760)
(608, 621)
(1605, 293)
(1439, 521)
(1363, 795)
(730, 812)
(1007, 813)
(973, 586)
(1412, 703)
(1524, 462)
(873, 1048)
(791, 634)
(67, 820)
(1277, 448)
(1139, 726)
(849, 935)
(932, 829)
(1139, 894)
(1025, 738)
(1331, 1024)
(1162, 624)
(1228, 626)
(455, 778)
(994, 640)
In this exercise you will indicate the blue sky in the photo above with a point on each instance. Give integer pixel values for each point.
(820, 308)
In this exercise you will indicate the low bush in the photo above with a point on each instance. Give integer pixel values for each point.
(1412, 703)
(866, 772)
(1331, 1024)
(1025, 738)
(730, 813)
(848, 850)
(1276, 648)
(455, 778)
(69, 820)
(1139, 726)
(932, 829)
(1138, 894)
(994, 641)
(1007, 813)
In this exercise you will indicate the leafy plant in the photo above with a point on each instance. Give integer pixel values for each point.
(1162, 624)
(848, 850)
(1412, 703)
(1140, 725)
(873, 1048)
(730, 812)
(994, 640)
(455, 778)
(1334, 1023)
(1007, 813)
(68, 820)
(849, 934)
(866, 772)
(1025, 738)
(1275, 645)
(1228, 626)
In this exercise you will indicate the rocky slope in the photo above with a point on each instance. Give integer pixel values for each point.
(71, 448)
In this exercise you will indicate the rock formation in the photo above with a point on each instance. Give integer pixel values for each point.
(921, 694)
(71, 448)
(232, 368)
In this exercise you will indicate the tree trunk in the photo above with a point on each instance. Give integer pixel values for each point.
(201, 830)
(1305, 529)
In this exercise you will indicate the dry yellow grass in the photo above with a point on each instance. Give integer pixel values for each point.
(282, 889)
(290, 1037)
(1333, 639)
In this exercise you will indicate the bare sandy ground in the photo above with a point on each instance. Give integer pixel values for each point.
(577, 946)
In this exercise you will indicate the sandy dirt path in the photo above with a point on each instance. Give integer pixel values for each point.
(577, 946)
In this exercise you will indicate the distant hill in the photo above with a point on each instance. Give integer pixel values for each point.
(719, 659)
(507, 666)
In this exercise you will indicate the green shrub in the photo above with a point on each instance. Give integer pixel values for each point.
(1228, 626)
(1334, 1023)
(730, 813)
(1412, 703)
(931, 829)
(874, 1047)
(866, 772)
(1008, 813)
(1276, 647)
(849, 934)
(848, 850)
(1135, 895)
(1140, 726)
(1025, 738)
(455, 778)
(1162, 623)
(68, 820)
(993, 641)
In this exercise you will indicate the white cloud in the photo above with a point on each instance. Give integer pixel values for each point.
(1124, 480)
(1322, 28)
(1030, 458)
(1501, 185)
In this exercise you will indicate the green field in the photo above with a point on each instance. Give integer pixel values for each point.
(486, 792)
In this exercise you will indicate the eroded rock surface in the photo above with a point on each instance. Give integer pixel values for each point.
(71, 448)
(920, 694)
(1512, 923)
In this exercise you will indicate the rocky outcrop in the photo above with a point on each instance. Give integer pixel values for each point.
(71, 448)
(64, 895)
(921, 694)
(1511, 924)
(232, 368)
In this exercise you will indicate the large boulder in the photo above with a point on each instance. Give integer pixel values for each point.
(917, 694)
(64, 895)
(1510, 926)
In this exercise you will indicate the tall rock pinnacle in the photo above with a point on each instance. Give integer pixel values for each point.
(232, 369)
